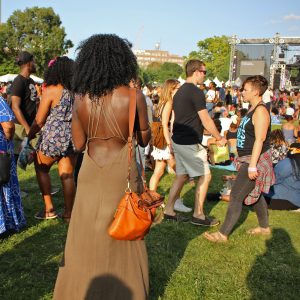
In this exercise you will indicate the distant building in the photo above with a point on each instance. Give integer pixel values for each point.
(146, 57)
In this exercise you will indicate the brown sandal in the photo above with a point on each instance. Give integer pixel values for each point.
(215, 237)
(46, 215)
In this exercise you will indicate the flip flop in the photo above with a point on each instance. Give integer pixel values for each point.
(46, 215)
(215, 237)
(259, 231)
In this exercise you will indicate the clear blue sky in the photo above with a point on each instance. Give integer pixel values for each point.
(177, 24)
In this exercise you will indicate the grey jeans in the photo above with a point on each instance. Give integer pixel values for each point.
(240, 189)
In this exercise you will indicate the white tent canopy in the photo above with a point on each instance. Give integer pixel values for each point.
(207, 82)
(181, 80)
(36, 79)
(238, 82)
(228, 83)
(11, 77)
(7, 77)
(217, 82)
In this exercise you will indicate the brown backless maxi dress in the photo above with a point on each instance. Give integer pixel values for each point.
(95, 266)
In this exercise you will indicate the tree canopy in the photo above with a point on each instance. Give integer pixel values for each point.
(215, 52)
(37, 30)
(157, 72)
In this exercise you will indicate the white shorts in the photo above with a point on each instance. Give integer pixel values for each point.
(161, 154)
(191, 160)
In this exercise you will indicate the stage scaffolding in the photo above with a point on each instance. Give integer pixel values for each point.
(277, 58)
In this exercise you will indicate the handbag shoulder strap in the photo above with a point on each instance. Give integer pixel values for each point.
(132, 112)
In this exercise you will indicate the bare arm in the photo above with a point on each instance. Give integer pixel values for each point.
(42, 114)
(16, 103)
(296, 131)
(209, 125)
(261, 122)
(78, 134)
(8, 129)
(166, 113)
(165, 117)
(172, 122)
(142, 125)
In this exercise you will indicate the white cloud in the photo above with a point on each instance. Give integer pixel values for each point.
(291, 17)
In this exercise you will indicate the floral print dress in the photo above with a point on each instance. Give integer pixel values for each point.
(12, 216)
(56, 137)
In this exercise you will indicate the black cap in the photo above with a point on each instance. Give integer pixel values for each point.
(23, 58)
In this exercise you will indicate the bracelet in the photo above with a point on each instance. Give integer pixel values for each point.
(252, 169)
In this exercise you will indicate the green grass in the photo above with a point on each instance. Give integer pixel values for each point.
(182, 264)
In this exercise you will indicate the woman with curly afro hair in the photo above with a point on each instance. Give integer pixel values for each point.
(96, 266)
(55, 142)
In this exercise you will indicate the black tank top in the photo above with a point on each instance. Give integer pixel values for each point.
(231, 135)
(246, 135)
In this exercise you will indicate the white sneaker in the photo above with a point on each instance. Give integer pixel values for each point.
(179, 206)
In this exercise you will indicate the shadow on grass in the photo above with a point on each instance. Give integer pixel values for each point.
(276, 273)
(29, 269)
(166, 245)
(108, 287)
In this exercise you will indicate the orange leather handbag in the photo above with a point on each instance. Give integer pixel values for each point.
(135, 212)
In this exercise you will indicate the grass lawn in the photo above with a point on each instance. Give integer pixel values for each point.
(182, 264)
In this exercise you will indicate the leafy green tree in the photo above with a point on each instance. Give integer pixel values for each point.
(37, 30)
(157, 72)
(215, 52)
(169, 70)
(152, 72)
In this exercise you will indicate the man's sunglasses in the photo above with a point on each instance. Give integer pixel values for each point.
(203, 71)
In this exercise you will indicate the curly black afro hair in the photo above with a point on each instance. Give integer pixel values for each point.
(104, 62)
(60, 71)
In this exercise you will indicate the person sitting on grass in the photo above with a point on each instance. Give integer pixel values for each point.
(279, 146)
(255, 171)
(215, 153)
(289, 127)
(275, 119)
(285, 193)
(231, 136)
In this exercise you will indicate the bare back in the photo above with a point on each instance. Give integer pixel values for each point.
(104, 124)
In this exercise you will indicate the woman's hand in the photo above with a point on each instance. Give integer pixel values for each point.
(252, 173)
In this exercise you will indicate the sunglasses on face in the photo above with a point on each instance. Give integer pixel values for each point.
(203, 71)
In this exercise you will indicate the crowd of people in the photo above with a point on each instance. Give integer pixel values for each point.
(79, 120)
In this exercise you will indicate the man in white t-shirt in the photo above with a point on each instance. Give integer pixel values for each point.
(266, 98)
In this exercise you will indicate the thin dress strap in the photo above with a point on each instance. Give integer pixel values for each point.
(102, 113)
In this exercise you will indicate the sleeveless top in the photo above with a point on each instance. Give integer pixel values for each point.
(56, 136)
(246, 135)
(231, 135)
(288, 135)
